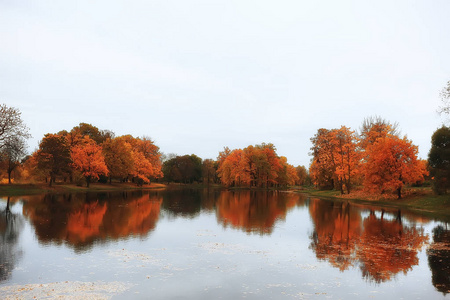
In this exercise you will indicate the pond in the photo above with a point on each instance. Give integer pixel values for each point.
(204, 244)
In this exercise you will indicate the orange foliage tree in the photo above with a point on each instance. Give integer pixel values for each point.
(146, 158)
(255, 166)
(118, 158)
(391, 163)
(87, 158)
(335, 158)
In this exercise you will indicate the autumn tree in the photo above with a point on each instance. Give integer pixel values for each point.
(302, 175)
(53, 156)
(335, 158)
(97, 135)
(87, 158)
(322, 168)
(254, 166)
(375, 127)
(146, 158)
(118, 158)
(391, 163)
(439, 160)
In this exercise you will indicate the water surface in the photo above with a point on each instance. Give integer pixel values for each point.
(200, 244)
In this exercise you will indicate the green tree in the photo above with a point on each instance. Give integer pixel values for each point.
(439, 160)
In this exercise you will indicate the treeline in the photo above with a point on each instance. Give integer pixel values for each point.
(87, 153)
(377, 159)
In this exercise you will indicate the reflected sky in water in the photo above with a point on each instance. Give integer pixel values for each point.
(200, 244)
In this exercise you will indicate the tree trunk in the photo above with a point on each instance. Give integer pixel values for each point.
(88, 181)
(7, 205)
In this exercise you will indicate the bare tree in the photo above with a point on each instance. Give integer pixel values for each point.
(13, 151)
(11, 125)
(445, 98)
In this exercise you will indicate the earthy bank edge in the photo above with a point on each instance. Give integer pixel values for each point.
(33, 189)
(421, 200)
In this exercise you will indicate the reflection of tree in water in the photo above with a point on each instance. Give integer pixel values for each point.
(182, 202)
(82, 219)
(337, 231)
(10, 227)
(439, 259)
(254, 211)
(381, 247)
(388, 247)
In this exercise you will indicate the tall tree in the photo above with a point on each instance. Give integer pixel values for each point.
(118, 158)
(323, 168)
(439, 160)
(347, 157)
(87, 158)
(53, 156)
(391, 163)
(11, 125)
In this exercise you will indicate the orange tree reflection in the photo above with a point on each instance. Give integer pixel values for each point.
(382, 247)
(80, 220)
(253, 211)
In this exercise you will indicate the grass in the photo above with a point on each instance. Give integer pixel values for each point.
(18, 189)
(418, 199)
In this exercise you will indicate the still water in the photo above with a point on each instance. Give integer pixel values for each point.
(200, 244)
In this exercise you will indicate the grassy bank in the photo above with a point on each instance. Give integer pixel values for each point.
(41, 188)
(417, 199)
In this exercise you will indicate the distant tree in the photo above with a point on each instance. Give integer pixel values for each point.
(287, 174)
(13, 151)
(53, 156)
(11, 125)
(254, 166)
(439, 160)
(87, 158)
(302, 175)
(208, 171)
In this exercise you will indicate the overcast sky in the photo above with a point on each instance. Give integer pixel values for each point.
(196, 76)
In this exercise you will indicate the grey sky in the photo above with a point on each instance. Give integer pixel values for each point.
(196, 76)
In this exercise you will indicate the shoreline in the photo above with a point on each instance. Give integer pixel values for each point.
(419, 200)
